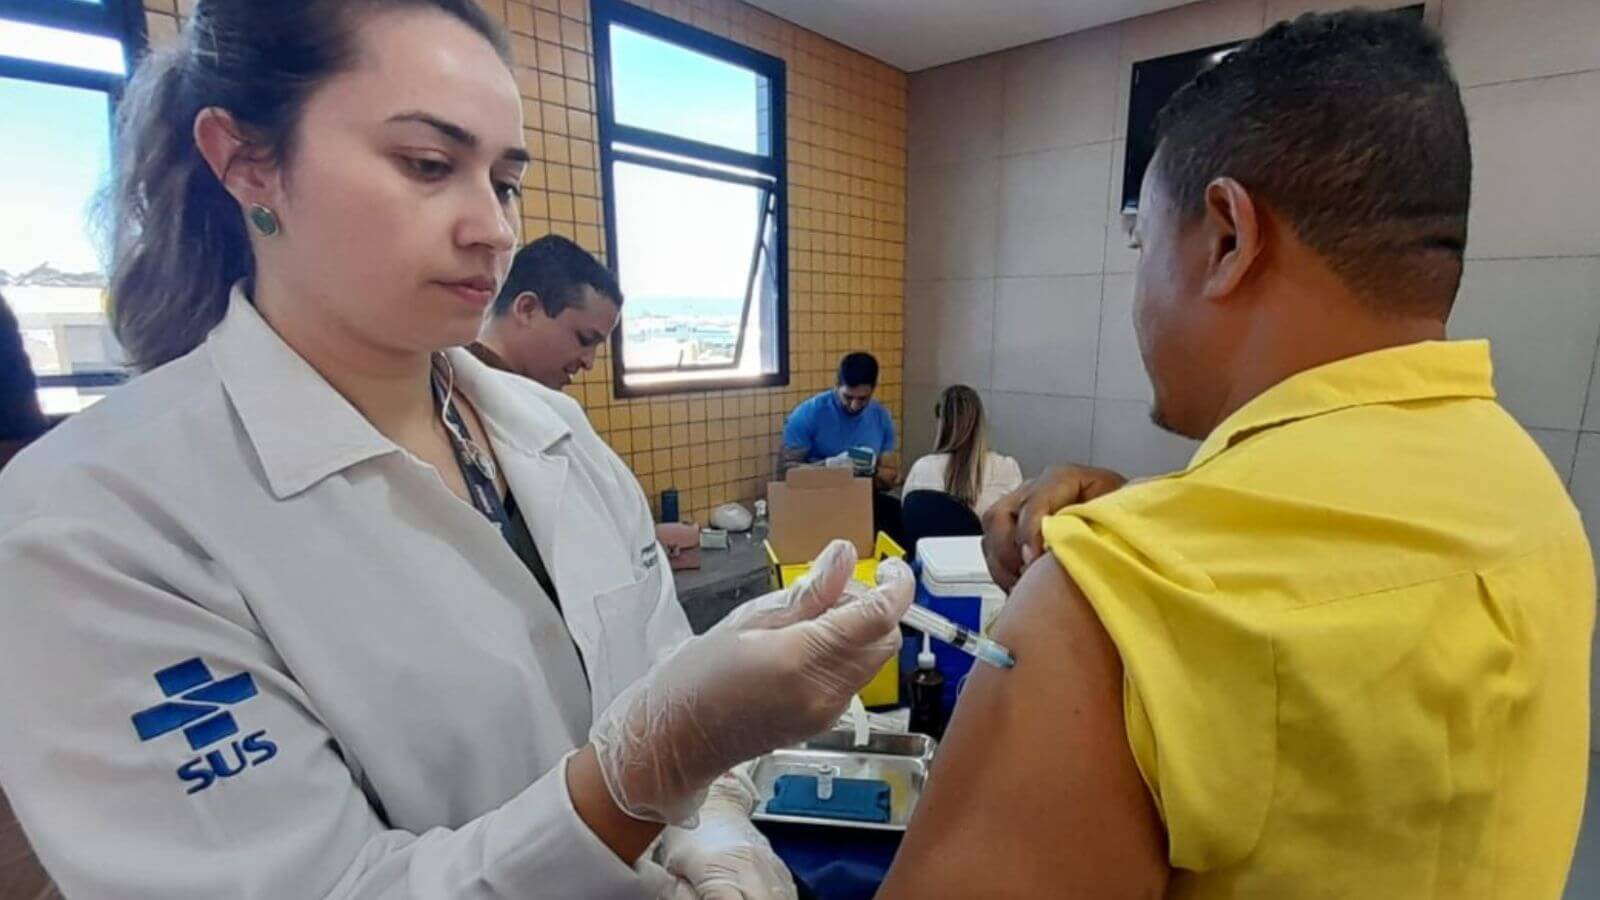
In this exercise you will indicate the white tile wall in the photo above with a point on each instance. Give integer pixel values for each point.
(918, 439)
(1560, 446)
(1591, 413)
(1546, 131)
(1040, 430)
(1496, 40)
(1126, 441)
(1050, 211)
(950, 338)
(1054, 318)
(953, 220)
(1586, 487)
(1121, 370)
(1544, 340)
(1119, 256)
(957, 114)
(1060, 92)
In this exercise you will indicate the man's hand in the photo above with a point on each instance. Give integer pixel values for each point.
(1013, 534)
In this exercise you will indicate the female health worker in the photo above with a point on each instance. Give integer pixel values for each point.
(318, 607)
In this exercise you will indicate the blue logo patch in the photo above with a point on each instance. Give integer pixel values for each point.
(198, 705)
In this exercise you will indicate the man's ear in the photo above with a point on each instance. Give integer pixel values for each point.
(527, 307)
(244, 173)
(1233, 236)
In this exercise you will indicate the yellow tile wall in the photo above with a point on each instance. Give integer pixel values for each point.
(847, 229)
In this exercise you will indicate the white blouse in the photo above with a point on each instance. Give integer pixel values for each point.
(1001, 476)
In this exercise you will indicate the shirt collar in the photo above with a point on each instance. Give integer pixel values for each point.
(518, 412)
(304, 431)
(488, 356)
(1429, 370)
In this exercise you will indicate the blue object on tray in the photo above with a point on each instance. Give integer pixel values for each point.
(853, 800)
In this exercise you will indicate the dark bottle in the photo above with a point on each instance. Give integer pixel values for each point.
(927, 695)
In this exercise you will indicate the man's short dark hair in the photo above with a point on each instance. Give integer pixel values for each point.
(1350, 125)
(556, 270)
(858, 369)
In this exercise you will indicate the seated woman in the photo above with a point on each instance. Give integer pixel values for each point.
(962, 464)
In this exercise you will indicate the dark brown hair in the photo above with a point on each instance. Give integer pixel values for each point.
(1351, 125)
(178, 240)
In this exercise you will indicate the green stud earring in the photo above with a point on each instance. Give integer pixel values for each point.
(265, 220)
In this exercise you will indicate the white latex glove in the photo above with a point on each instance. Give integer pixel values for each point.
(777, 670)
(842, 461)
(661, 884)
(725, 857)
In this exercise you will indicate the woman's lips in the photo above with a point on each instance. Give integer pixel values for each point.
(471, 291)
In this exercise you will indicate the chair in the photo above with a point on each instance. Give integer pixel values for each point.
(936, 514)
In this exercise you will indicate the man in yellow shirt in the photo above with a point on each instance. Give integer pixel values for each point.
(1345, 653)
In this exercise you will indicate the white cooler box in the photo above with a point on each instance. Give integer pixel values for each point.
(954, 567)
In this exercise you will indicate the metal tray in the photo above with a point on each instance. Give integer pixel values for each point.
(897, 758)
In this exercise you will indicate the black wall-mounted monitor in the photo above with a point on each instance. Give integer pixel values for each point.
(1154, 83)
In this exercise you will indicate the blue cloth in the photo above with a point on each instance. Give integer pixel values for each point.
(823, 428)
(853, 800)
(833, 863)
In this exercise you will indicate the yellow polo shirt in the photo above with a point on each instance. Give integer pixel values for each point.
(1356, 635)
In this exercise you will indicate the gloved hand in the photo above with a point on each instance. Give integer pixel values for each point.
(777, 670)
(842, 461)
(725, 857)
(660, 884)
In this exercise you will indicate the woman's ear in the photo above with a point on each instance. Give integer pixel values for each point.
(249, 177)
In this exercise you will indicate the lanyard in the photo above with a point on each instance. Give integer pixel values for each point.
(477, 468)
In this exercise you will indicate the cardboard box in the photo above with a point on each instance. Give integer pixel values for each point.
(815, 506)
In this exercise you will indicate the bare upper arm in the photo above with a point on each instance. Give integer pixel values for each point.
(1035, 791)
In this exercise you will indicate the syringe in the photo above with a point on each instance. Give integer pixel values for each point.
(958, 636)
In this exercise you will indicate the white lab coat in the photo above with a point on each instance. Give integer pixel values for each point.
(416, 694)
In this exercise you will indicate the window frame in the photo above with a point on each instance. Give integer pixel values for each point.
(120, 20)
(701, 160)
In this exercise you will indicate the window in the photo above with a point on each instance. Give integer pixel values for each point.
(62, 67)
(692, 159)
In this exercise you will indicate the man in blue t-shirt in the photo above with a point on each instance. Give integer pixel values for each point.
(825, 428)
